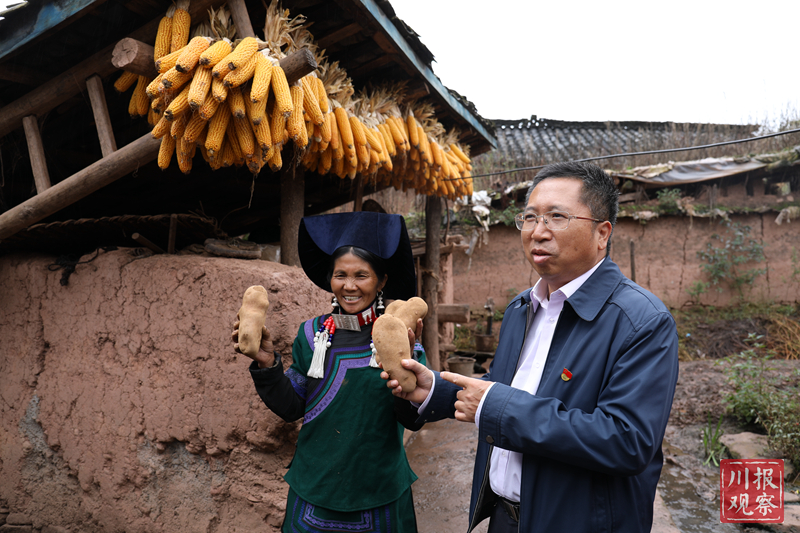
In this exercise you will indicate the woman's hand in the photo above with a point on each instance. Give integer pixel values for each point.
(265, 358)
(414, 335)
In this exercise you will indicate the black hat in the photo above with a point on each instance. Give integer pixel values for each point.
(381, 234)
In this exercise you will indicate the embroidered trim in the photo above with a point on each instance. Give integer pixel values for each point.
(344, 359)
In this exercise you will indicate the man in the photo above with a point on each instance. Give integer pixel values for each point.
(572, 413)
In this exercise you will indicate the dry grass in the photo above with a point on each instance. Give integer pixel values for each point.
(784, 336)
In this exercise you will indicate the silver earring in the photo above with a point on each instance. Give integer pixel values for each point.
(334, 303)
(380, 307)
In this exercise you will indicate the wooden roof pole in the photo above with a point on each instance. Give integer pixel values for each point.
(293, 187)
(241, 18)
(430, 280)
(108, 145)
(70, 190)
(36, 153)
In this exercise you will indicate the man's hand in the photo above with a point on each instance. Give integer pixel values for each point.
(424, 382)
(468, 399)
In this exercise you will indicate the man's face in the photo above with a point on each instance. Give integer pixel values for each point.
(559, 256)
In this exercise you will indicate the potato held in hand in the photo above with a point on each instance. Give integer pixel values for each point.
(252, 316)
(390, 336)
(408, 311)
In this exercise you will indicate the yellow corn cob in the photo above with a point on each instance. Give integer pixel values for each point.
(153, 87)
(424, 147)
(199, 88)
(190, 54)
(163, 36)
(140, 103)
(227, 158)
(165, 151)
(388, 141)
(215, 53)
(280, 88)
(230, 136)
(302, 142)
(315, 135)
(413, 131)
(277, 125)
(325, 161)
(295, 121)
(181, 22)
(236, 103)
(178, 126)
(220, 70)
(243, 51)
(153, 117)
(397, 136)
(338, 167)
(255, 163)
(185, 153)
(358, 131)
(208, 108)
(218, 90)
(325, 129)
(261, 78)
(322, 94)
(258, 111)
(311, 101)
(242, 74)
(275, 163)
(244, 134)
(194, 128)
(460, 154)
(336, 138)
(157, 104)
(343, 122)
(125, 81)
(263, 135)
(161, 128)
(362, 152)
(178, 105)
(372, 138)
(436, 152)
(174, 80)
(167, 62)
(216, 131)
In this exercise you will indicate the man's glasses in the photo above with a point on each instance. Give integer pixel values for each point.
(554, 220)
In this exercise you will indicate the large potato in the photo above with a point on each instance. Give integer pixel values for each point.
(252, 316)
(390, 336)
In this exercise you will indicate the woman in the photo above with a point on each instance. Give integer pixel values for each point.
(349, 472)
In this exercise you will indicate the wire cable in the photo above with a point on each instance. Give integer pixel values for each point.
(630, 154)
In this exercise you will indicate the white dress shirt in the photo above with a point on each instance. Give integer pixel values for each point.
(505, 474)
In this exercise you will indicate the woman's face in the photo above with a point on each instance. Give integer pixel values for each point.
(354, 283)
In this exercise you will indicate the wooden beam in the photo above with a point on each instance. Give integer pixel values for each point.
(134, 56)
(36, 153)
(173, 233)
(430, 279)
(338, 35)
(105, 132)
(458, 313)
(298, 64)
(292, 209)
(22, 75)
(147, 243)
(241, 18)
(359, 188)
(79, 185)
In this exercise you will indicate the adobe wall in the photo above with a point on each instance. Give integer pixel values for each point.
(665, 258)
(122, 404)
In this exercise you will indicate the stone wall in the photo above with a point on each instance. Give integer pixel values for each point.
(665, 258)
(122, 404)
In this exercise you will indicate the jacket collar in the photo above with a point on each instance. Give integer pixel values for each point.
(590, 298)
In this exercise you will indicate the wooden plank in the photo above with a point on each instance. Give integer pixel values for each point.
(36, 153)
(102, 120)
(173, 233)
(147, 243)
(342, 33)
(359, 189)
(79, 185)
(292, 210)
(458, 313)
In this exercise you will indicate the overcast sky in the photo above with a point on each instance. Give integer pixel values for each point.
(683, 61)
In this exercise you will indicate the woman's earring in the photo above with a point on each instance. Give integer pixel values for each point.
(334, 303)
(380, 307)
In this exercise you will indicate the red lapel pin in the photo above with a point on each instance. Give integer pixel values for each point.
(566, 375)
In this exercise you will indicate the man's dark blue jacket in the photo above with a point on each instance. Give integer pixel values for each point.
(592, 444)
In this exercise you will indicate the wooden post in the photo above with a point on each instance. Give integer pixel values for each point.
(108, 145)
(430, 280)
(633, 262)
(241, 18)
(79, 185)
(147, 243)
(173, 233)
(36, 153)
(293, 191)
(359, 200)
(134, 56)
